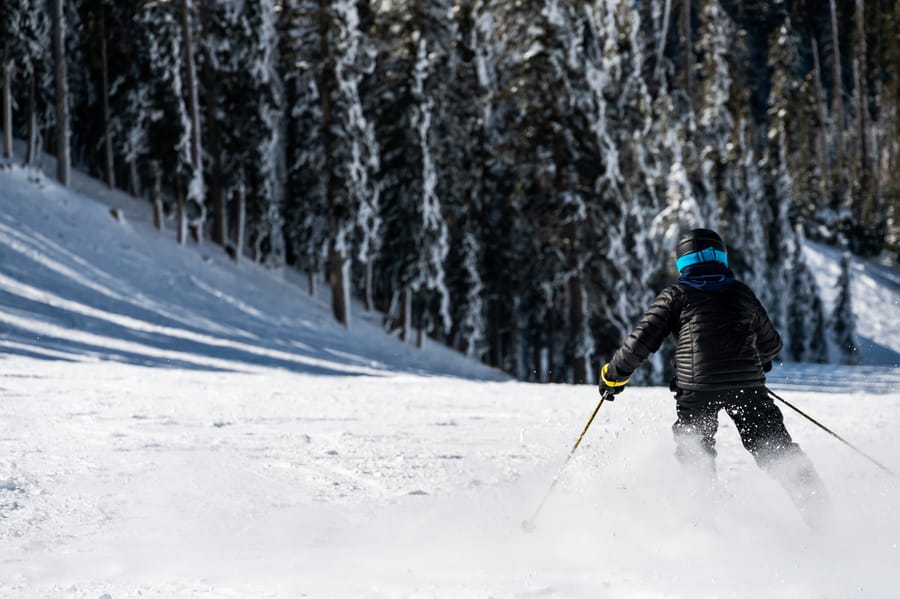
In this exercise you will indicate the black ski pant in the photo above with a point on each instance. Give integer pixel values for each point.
(761, 427)
(758, 420)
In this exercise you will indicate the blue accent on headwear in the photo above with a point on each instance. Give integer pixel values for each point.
(708, 255)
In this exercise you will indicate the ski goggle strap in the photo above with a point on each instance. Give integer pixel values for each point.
(707, 255)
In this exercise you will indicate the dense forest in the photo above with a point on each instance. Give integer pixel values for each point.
(506, 177)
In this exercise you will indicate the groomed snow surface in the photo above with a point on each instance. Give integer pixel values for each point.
(167, 430)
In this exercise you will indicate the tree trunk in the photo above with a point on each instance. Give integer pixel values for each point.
(32, 149)
(107, 132)
(63, 158)
(551, 343)
(406, 315)
(181, 213)
(837, 93)
(661, 47)
(368, 295)
(420, 326)
(515, 341)
(311, 275)
(821, 139)
(135, 179)
(193, 98)
(337, 279)
(216, 193)
(688, 49)
(156, 196)
(869, 201)
(577, 316)
(7, 104)
(241, 223)
(336, 260)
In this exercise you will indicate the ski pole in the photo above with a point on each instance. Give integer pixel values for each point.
(832, 433)
(528, 524)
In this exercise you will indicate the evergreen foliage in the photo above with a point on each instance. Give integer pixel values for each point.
(843, 322)
(508, 178)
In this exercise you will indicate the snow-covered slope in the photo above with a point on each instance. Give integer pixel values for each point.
(875, 292)
(75, 283)
(165, 433)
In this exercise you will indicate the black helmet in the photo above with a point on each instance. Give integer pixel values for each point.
(700, 245)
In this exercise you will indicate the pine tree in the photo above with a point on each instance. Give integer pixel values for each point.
(781, 243)
(37, 68)
(543, 102)
(843, 321)
(328, 108)
(131, 89)
(461, 162)
(747, 210)
(169, 130)
(26, 29)
(196, 192)
(415, 41)
(715, 123)
(306, 206)
(262, 129)
(805, 317)
(631, 189)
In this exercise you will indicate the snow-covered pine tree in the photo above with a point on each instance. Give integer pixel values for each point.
(461, 164)
(715, 123)
(335, 223)
(38, 67)
(551, 169)
(747, 210)
(669, 139)
(98, 52)
(470, 315)
(196, 191)
(507, 241)
(216, 201)
(354, 62)
(428, 283)
(630, 260)
(810, 185)
(306, 197)
(805, 315)
(27, 73)
(888, 173)
(242, 45)
(415, 40)
(781, 244)
(131, 87)
(843, 321)
(169, 132)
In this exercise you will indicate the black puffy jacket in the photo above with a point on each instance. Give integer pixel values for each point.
(722, 338)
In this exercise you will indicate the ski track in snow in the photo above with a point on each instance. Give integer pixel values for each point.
(206, 430)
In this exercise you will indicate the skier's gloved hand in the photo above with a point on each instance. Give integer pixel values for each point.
(609, 385)
(767, 366)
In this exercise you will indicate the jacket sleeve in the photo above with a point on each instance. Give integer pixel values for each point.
(657, 323)
(768, 341)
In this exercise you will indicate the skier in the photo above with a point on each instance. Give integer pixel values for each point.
(724, 344)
